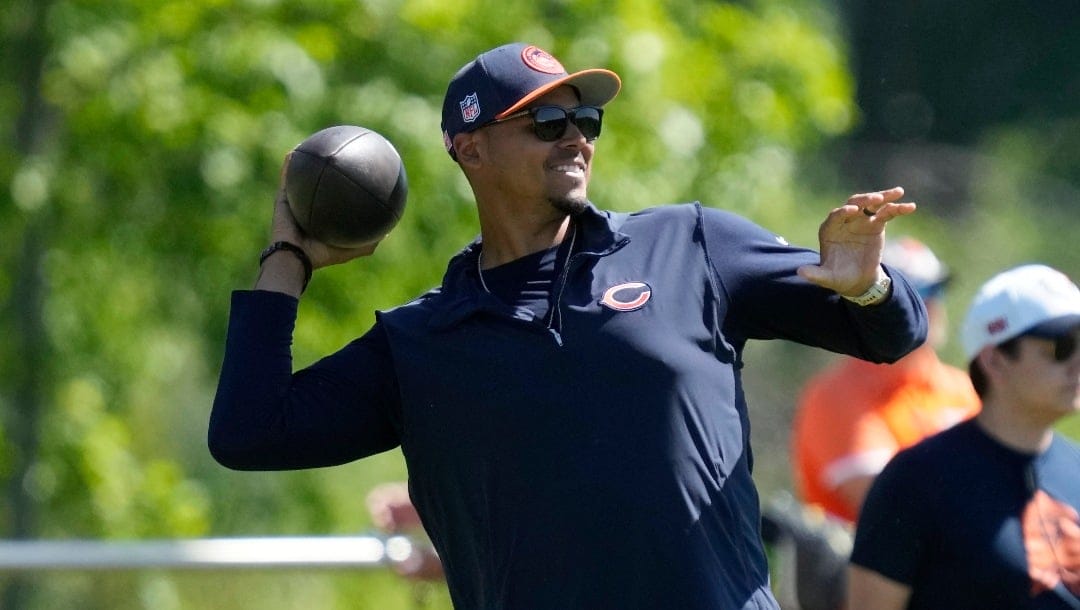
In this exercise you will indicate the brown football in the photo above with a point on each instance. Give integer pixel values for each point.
(346, 185)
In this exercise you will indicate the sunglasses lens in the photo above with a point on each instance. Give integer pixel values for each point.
(1064, 347)
(588, 120)
(550, 123)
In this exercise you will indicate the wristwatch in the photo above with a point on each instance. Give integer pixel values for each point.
(876, 293)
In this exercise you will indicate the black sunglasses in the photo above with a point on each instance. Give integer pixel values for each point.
(1064, 347)
(550, 122)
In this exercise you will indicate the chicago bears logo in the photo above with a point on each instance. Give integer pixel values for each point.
(470, 108)
(541, 61)
(627, 297)
(1052, 541)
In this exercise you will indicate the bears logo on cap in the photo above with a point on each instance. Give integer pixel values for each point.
(541, 61)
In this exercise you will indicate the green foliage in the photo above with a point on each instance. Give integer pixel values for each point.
(149, 179)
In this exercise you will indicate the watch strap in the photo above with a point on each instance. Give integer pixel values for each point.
(876, 293)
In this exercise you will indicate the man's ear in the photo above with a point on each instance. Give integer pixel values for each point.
(467, 147)
(993, 361)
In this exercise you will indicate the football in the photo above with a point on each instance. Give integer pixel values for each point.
(346, 186)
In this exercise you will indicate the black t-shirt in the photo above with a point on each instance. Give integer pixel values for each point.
(969, 523)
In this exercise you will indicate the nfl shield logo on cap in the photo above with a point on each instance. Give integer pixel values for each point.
(503, 80)
(470, 108)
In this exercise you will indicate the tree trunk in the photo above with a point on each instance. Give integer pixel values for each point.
(28, 370)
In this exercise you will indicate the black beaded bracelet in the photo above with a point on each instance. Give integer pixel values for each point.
(295, 249)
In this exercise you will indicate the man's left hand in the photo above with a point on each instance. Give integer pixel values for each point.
(851, 240)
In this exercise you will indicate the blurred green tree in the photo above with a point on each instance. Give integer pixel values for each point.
(148, 141)
(141, 151)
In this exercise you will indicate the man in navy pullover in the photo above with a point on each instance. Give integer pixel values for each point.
(568, 401)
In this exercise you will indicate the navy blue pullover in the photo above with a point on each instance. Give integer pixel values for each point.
(601, 462)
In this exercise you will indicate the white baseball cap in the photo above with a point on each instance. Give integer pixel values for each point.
(1029, 299)
(918, 263)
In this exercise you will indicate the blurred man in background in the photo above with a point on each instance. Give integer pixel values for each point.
(855, 416)
(985, 514)
(852, 418)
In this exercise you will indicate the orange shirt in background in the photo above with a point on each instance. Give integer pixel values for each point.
(855, 416)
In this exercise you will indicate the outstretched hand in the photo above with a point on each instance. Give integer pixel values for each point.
(851, 240)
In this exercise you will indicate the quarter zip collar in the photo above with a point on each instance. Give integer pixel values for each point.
(461, 296)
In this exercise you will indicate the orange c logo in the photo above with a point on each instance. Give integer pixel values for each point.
(627, 297)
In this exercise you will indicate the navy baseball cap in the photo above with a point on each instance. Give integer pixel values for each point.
(506, 79)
